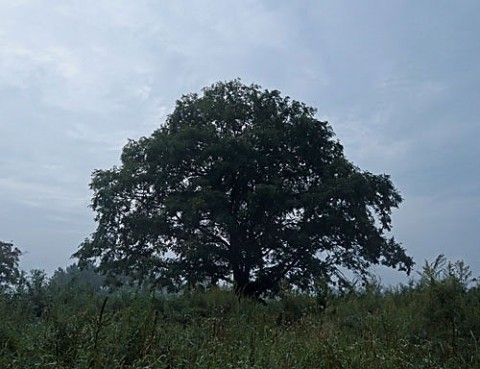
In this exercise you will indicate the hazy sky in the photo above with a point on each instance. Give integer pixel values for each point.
(399, 81)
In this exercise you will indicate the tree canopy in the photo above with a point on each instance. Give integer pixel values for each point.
(244, 186)
(9, 258)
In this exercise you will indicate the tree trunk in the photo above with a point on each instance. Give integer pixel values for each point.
(252, 289)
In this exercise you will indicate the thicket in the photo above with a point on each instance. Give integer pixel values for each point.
(69, 321)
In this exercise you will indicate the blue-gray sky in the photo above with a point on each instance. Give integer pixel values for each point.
(398, 81)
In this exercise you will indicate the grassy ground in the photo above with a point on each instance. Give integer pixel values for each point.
(434, 323)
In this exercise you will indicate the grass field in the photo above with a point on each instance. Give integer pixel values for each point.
(431, 323)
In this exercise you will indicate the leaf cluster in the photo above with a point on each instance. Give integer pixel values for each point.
(9, 258)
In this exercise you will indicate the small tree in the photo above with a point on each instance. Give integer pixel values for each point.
(245, 186)
(9, 258)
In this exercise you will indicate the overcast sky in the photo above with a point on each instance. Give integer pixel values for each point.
(399, 81)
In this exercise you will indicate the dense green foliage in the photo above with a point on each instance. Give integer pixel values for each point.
(432, 323)
(9, 257)
(245, 187)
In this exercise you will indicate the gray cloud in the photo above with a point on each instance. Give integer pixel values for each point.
(398, 82)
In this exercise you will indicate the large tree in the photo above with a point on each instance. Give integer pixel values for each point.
(244, 186)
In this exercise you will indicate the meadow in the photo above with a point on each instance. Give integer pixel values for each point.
(433, 322)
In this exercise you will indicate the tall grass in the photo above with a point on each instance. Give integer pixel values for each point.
(433, 323)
